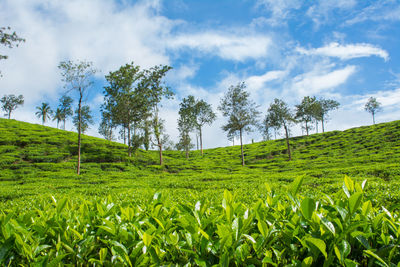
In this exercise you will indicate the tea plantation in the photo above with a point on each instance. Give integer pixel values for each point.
(202, 211)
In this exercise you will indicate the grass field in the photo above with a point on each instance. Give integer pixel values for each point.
(278, 223)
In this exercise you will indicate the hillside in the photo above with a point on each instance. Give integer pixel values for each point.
(203, 211)
(35, 160)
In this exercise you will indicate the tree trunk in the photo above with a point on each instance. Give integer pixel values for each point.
(129, 141)
(241, 146)
(57, 124)
(160, 151)
(306, 128)
(287, 142)
(9, 115)
(323, 126)
(316, 126)
(197, 141)
(79, 130)
(187, 152)
(201, 141)
(373, 118)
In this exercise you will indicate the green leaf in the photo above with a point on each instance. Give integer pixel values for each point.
(294, 189)
(349, 183)
(372, 254)
(263, 228)
(61, 205)
(313, 243)
(147, 239)
(307, 262)
(307, 207)
(355, 202)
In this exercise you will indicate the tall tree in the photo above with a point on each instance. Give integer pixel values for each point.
(240, 111)
(10, 102)
(186, 122)
(106, 126)
(373, 106)
(203, 115)
(126, 100)
(281, 116)
(305, 112)
(265, 128)
(156, 91)
(44, 111)
(85, 119)
(78, 78)
(8, 39)
(65, 106)
(321, 109)
(58, 116)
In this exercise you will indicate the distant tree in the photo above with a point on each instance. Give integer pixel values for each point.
(85, 119)
(8, 39)
(155, 92)
(126, 101)
(146, 126)
(10, 102)
(44, 111)
(240, 111)
(203, 115)
(373, 106)
(321, 109)
(106, 125)
(78, 78)
(281, 116)
(266, 128)
(305, 112)
(186, 122)
(58, 116)
(65, 106)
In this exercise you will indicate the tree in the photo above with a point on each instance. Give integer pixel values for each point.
(65, 108)
(280, 116)
(203, 115)
(265, 128)
(155, 92)
(106, 125)
(44, 111)
(186, 123)
(10, 102)
(78, 78)
(373, 106)
(58, 116)
(126, 100)
(240, 111)
(305, 112)
(85, 119)
(321, 109)
(9, 40)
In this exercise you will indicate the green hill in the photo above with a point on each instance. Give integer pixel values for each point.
(211, 210)
(37, 160)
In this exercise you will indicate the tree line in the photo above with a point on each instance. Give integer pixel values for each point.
(132, 101)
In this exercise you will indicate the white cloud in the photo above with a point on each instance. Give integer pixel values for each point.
(378, 11)
(279, 10)
(230, 46)
(315, 82)
(345, 52)
(321, 12)
(258, 82)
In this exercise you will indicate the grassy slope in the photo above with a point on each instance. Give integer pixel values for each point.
(39, 161)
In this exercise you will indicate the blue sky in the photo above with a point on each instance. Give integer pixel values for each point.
(345, 50)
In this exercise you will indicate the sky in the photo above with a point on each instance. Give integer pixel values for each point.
(346, 50)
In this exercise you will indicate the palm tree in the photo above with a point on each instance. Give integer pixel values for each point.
(59, 116)
(44, 112)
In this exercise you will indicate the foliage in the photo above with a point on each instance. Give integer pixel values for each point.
(240, 111)
(186, 123)
(9, 40)
(10, 102)
(65, 108)
(373, 106)
(347, 229)
(44, 111)
(86, 119)
(306, 112)
(322, 108)
(78, 78)
(280, 116)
